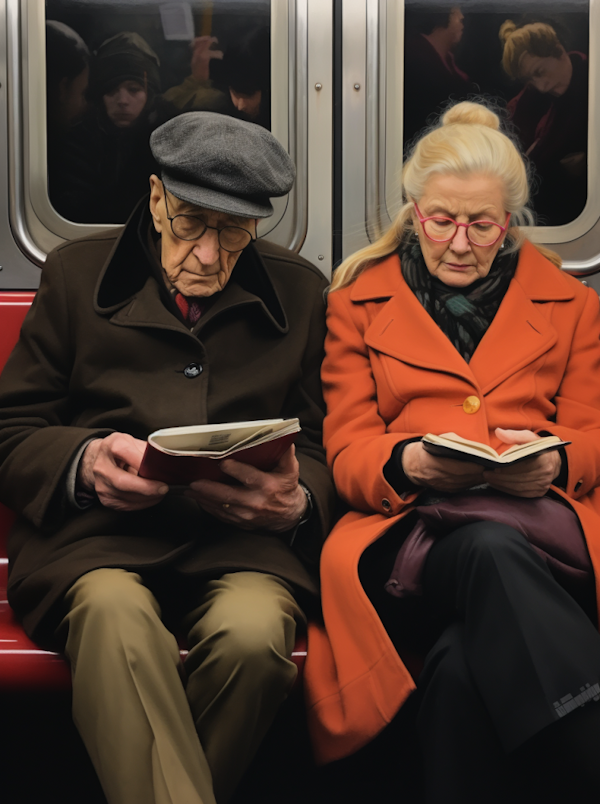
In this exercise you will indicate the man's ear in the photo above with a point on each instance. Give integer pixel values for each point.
(156, 197)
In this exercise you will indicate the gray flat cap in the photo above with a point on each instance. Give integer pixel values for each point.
(220, 163)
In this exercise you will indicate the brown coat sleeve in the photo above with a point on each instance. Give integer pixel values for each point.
(37, 443)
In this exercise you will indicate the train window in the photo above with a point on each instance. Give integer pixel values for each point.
(532, 60)
(115, 72)
(533, 66)
(91, 79)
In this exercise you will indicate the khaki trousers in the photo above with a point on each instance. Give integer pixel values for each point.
(152, 738)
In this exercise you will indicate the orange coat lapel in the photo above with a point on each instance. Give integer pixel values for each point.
(520, 332)
(402, 328)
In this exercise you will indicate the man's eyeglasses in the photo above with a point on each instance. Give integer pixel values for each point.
(192, 227)
(479, 233)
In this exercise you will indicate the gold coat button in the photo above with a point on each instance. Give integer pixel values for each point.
(471, 404)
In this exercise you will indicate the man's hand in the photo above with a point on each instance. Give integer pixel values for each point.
(530, 478)
(109, 467)
(269, 500)
(202, 55)
(442, 474)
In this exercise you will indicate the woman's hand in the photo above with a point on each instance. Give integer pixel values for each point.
(530, 478)
(442, 474)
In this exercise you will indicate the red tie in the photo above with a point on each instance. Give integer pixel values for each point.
(190, 307)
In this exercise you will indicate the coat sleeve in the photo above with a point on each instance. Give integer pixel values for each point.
(37, 442)
(306, 402)
(356, 437)
(578, 403)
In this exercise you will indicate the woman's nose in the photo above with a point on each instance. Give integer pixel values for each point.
(541, 84)
(460, 242)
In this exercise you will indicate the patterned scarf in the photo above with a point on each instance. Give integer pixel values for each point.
(463, 314)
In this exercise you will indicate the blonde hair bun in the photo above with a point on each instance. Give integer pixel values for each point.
(507, 29)
(471, 114)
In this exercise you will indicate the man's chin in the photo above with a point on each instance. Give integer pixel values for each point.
(201, 288)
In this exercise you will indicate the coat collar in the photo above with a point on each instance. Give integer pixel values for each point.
(518, 334)
(128, 290)
(539, 279)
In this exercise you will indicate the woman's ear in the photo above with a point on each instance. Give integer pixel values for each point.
(156, 197)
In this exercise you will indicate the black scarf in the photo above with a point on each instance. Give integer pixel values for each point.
(463, 314)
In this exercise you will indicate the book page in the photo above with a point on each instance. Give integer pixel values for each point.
(453, 441)
(518, 450)
(220, 439)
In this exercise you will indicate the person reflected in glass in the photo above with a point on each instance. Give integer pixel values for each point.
(106, 159)
(241, 86)
(550, 115)
(67, 78)
(432, 75)
(459, 599)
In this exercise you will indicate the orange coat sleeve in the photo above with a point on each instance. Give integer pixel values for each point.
(578, 403)
(355, 435)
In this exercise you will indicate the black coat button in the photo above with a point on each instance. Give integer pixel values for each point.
(193, 370)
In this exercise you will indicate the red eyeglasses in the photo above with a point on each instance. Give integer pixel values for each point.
(479, 233)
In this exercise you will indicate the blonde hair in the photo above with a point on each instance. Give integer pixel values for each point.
(537, 38)
(468, 141)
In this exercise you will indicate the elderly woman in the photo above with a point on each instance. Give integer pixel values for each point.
(453, 322)
(550, 115)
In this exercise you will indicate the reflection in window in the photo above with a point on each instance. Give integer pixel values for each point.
(114, 74)
(533, 66)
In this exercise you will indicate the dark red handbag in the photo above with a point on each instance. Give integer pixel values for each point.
(551, 527)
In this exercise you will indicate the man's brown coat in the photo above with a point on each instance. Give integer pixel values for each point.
(100, 351)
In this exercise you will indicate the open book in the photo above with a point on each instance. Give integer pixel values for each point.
(180, 455)
(461, 449)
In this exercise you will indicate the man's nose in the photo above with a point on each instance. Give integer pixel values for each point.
(460, 242)
(207, 248)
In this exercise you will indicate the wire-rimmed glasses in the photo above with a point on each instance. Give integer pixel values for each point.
(442, 229)
(192, 227)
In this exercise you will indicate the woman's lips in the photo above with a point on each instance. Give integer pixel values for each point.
(458, 266)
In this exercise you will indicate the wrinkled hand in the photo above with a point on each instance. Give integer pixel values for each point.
(530, 478)
(442, 474)
(202, 55)
(270, 500)
(109, 467)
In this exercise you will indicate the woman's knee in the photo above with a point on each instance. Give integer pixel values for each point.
(481, 541)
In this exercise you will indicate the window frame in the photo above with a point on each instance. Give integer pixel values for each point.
(37, 227)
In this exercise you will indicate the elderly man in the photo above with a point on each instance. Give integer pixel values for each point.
(180, 318)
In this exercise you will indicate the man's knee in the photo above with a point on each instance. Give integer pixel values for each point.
(112, 607)
(248, 619)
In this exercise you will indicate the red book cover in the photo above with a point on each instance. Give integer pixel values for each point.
(181, 470)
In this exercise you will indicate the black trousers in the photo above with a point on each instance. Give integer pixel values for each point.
(512, 655)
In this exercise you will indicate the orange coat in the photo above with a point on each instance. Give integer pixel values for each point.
(390, 374)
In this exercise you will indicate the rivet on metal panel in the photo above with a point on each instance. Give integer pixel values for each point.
(318, 86)
(583, 282)
(321, 256)
(357, 87)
